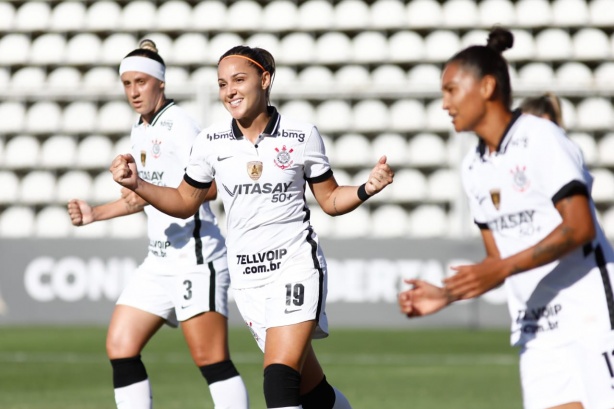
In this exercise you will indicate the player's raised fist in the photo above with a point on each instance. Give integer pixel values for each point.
(380, 177)
(124, 171)
(80, 212)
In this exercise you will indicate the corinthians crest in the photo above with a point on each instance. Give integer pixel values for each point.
(283, 159)
(521, 182)
(495, 196)
(254, 169)
(156, 149)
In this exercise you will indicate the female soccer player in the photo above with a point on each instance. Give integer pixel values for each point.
(547, 106)
(185, 275)
(261, 161)
(529, 194)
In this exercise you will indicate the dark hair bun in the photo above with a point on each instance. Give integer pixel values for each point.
(500, 39)
(148, 44)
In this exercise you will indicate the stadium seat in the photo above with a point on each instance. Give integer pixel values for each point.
(604, 74)
(406, 46)
(104, 188)
(440, 45)
(316, 15)
(177, 77)
(427, 149)
(64, 78)
(351, 15)
(333, 48)
(603, 185)
(342, 177)
(91, 231)
(281, 15)
(298, 109)
(10, 187)
(600, 13)
(17, 221)
(595, 113)
(389, 221)
(115, 116)
(116, 46)
(221, 43)
(424, 14)
(553, 44)
(460, 13)
(43, 117)
(524, 46)
(48, 49)
(533, 13)
(334, 115)
(536, 74)
(606, 150)
(316, 76)
(138, 15)
(101, 78)
(94, 152)
(21, 151)
(268, 41)
(75, 184)
(362, 176)
(163, 41)
(68, 16)
(352, 149)
(122, 145)
(28, 78)
(387, 15)
(79, 117)
(428, 221)
(297, 48)
(208, 15)
(103, 16)
(587, 143)
(370, 115)
(352, 77)
(5, 77)
(444, 185)
(591, 44)
(474, 37)
(285, 77)
(369, 47)
(320, 221)
(409, 186)
(393, 145)
(497, 12)
(238, 11)
(352, 225)
(52, 222)
(37, 187)
(33, 16)
(173, 15)
(13, 116)
(14, 49)
(574, 74)
(569, 13)
(568, 111)
(128, 227)
(83, 48)
(436, 118)
(59, 151)
(407, 115)
(424, 77)
(7, 16)
(388, 76)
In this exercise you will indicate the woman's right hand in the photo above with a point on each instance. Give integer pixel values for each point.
(423, 299)
(124, 171)
(80, 212)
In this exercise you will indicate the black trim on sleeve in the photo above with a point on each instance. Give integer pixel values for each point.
(482, 226)
(575, 187)
(324, 176)
(195, 183)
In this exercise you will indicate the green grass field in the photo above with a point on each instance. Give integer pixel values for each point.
(66, 368)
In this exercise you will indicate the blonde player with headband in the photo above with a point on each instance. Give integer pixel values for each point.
(262, 161)
(184, 278)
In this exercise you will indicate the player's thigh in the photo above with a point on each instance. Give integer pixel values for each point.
(288, 344)
(207, 337)
(129, 330)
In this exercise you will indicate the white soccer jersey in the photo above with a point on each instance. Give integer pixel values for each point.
(512, 192)
(262, 186)
(162, 151)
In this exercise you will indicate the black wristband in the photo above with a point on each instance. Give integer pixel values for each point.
(362, 192)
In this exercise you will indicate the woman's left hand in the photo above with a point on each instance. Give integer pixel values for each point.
(475, 279)
(380, 177)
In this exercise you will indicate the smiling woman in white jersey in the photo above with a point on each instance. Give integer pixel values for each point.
(185, 276)
(529, 193)
(262, 162)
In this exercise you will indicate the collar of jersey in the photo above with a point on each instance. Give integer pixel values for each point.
(269, 130)
(159, 112)
(504, 138)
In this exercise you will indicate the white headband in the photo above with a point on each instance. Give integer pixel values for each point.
(142, 64)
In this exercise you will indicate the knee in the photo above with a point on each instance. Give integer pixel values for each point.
(120, 346)
(281, 386)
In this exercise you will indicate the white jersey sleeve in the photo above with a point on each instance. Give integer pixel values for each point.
(474, 197)
(315, 159)
(200, 171)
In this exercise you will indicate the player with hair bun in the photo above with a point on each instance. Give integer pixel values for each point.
(529, 193)
(184, 278)
(263, 162)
